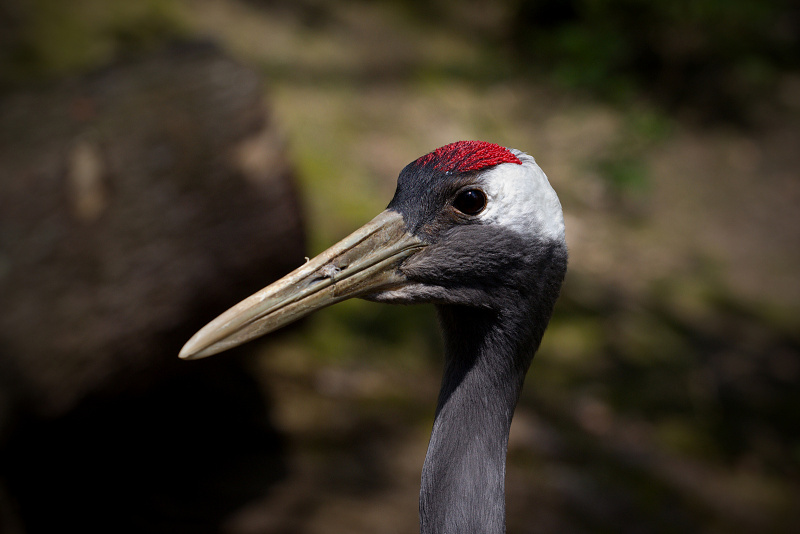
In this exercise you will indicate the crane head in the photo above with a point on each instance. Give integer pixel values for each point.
(471, 223)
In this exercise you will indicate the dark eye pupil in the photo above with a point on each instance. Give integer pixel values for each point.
(470, 202)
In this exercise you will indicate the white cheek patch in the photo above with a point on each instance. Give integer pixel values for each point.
(519, 197)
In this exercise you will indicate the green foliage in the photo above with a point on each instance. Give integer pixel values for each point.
(46, 38)
(624, 168)
(712, 53)
(709, 392)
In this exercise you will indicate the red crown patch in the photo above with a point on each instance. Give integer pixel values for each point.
(465, 156)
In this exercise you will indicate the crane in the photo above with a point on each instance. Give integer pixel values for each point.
(476, 229)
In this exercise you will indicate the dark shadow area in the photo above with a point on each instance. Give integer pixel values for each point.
(178, 457)
(709, 60)
(658, 420)
(131, 213)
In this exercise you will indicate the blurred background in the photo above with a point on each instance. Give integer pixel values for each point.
(162, 159)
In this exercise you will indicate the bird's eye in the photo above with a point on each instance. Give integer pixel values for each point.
(471, 201)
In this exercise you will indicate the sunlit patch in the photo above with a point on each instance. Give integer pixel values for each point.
(520, 198)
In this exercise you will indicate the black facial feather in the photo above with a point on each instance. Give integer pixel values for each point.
(494, 289)
(424, 213)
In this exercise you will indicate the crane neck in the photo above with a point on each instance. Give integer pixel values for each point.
(463, 479)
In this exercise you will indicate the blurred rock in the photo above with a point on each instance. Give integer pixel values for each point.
(135, 205)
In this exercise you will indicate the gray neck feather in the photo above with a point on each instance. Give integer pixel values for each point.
(463, 478)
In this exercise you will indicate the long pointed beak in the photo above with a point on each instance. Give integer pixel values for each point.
(362, 263)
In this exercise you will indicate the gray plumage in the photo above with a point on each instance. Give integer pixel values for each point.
(494, 290)
(475, 229)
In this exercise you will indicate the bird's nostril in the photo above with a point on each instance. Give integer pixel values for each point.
(329, 271)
